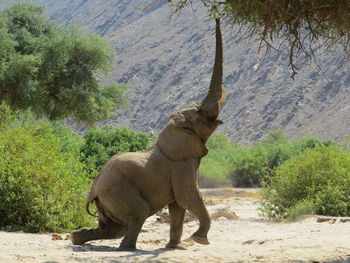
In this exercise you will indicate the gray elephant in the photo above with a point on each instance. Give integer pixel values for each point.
(133, 186)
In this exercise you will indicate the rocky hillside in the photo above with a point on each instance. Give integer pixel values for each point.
(168, 64)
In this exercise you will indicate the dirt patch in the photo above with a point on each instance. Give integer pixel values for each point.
(237, 234)
(60, 237)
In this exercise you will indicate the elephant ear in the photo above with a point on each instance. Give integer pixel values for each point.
(178, 142)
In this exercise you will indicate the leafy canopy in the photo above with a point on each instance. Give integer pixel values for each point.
(54, 70)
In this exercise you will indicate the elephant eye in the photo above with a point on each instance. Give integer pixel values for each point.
(189, 130)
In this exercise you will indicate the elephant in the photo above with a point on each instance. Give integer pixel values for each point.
(135, 185)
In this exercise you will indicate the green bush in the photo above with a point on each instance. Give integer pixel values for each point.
(216, 164)
(70, 141)
(254, 164)
(42, 183)
(316, 181)
(102, 143)
(249, 168)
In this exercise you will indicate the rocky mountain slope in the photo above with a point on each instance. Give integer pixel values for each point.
(169, 63)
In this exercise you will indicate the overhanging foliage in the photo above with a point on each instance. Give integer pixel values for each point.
(299, 23)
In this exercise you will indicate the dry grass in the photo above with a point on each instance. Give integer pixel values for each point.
(229, 193)
(208, 182)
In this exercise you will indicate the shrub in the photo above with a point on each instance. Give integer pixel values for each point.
(42, 184)
(249, 167)
(70, 141)
(216, 165)
(102, 143)
(252, 165)
(255, 163)
(316, 181)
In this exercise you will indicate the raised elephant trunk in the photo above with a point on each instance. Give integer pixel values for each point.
(217, 94)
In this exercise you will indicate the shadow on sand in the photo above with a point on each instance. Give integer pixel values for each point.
(125, 256)
(346, 259)
(152, 256)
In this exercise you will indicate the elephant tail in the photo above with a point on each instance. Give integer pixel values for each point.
(91, 198)
(87, 205)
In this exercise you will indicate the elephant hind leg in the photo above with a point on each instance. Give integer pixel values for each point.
(135, 222)
(136, 212)
(107, 229)
(125, 205)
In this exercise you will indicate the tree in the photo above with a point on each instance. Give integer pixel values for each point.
(299, 23)
(54, 70)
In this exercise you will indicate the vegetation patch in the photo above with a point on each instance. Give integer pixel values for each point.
(316, 181)
(43, 185)
(217, 164)
(54, 70)
(250, 166)
(100, 144)
(46, 170)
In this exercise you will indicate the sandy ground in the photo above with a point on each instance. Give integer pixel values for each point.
(248, 238)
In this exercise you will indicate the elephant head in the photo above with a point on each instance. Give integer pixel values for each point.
(188, 129)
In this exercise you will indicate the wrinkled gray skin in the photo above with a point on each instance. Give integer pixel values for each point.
(133, 186)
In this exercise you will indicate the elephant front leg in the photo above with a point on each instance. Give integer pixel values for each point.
(177, 215)
(200, 211)
(188, 197)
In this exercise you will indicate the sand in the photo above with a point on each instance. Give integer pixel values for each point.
(237, 234)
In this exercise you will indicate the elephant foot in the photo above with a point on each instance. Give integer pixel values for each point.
(174, 246)
(127, 248)
(79, 237)
(199, 240)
